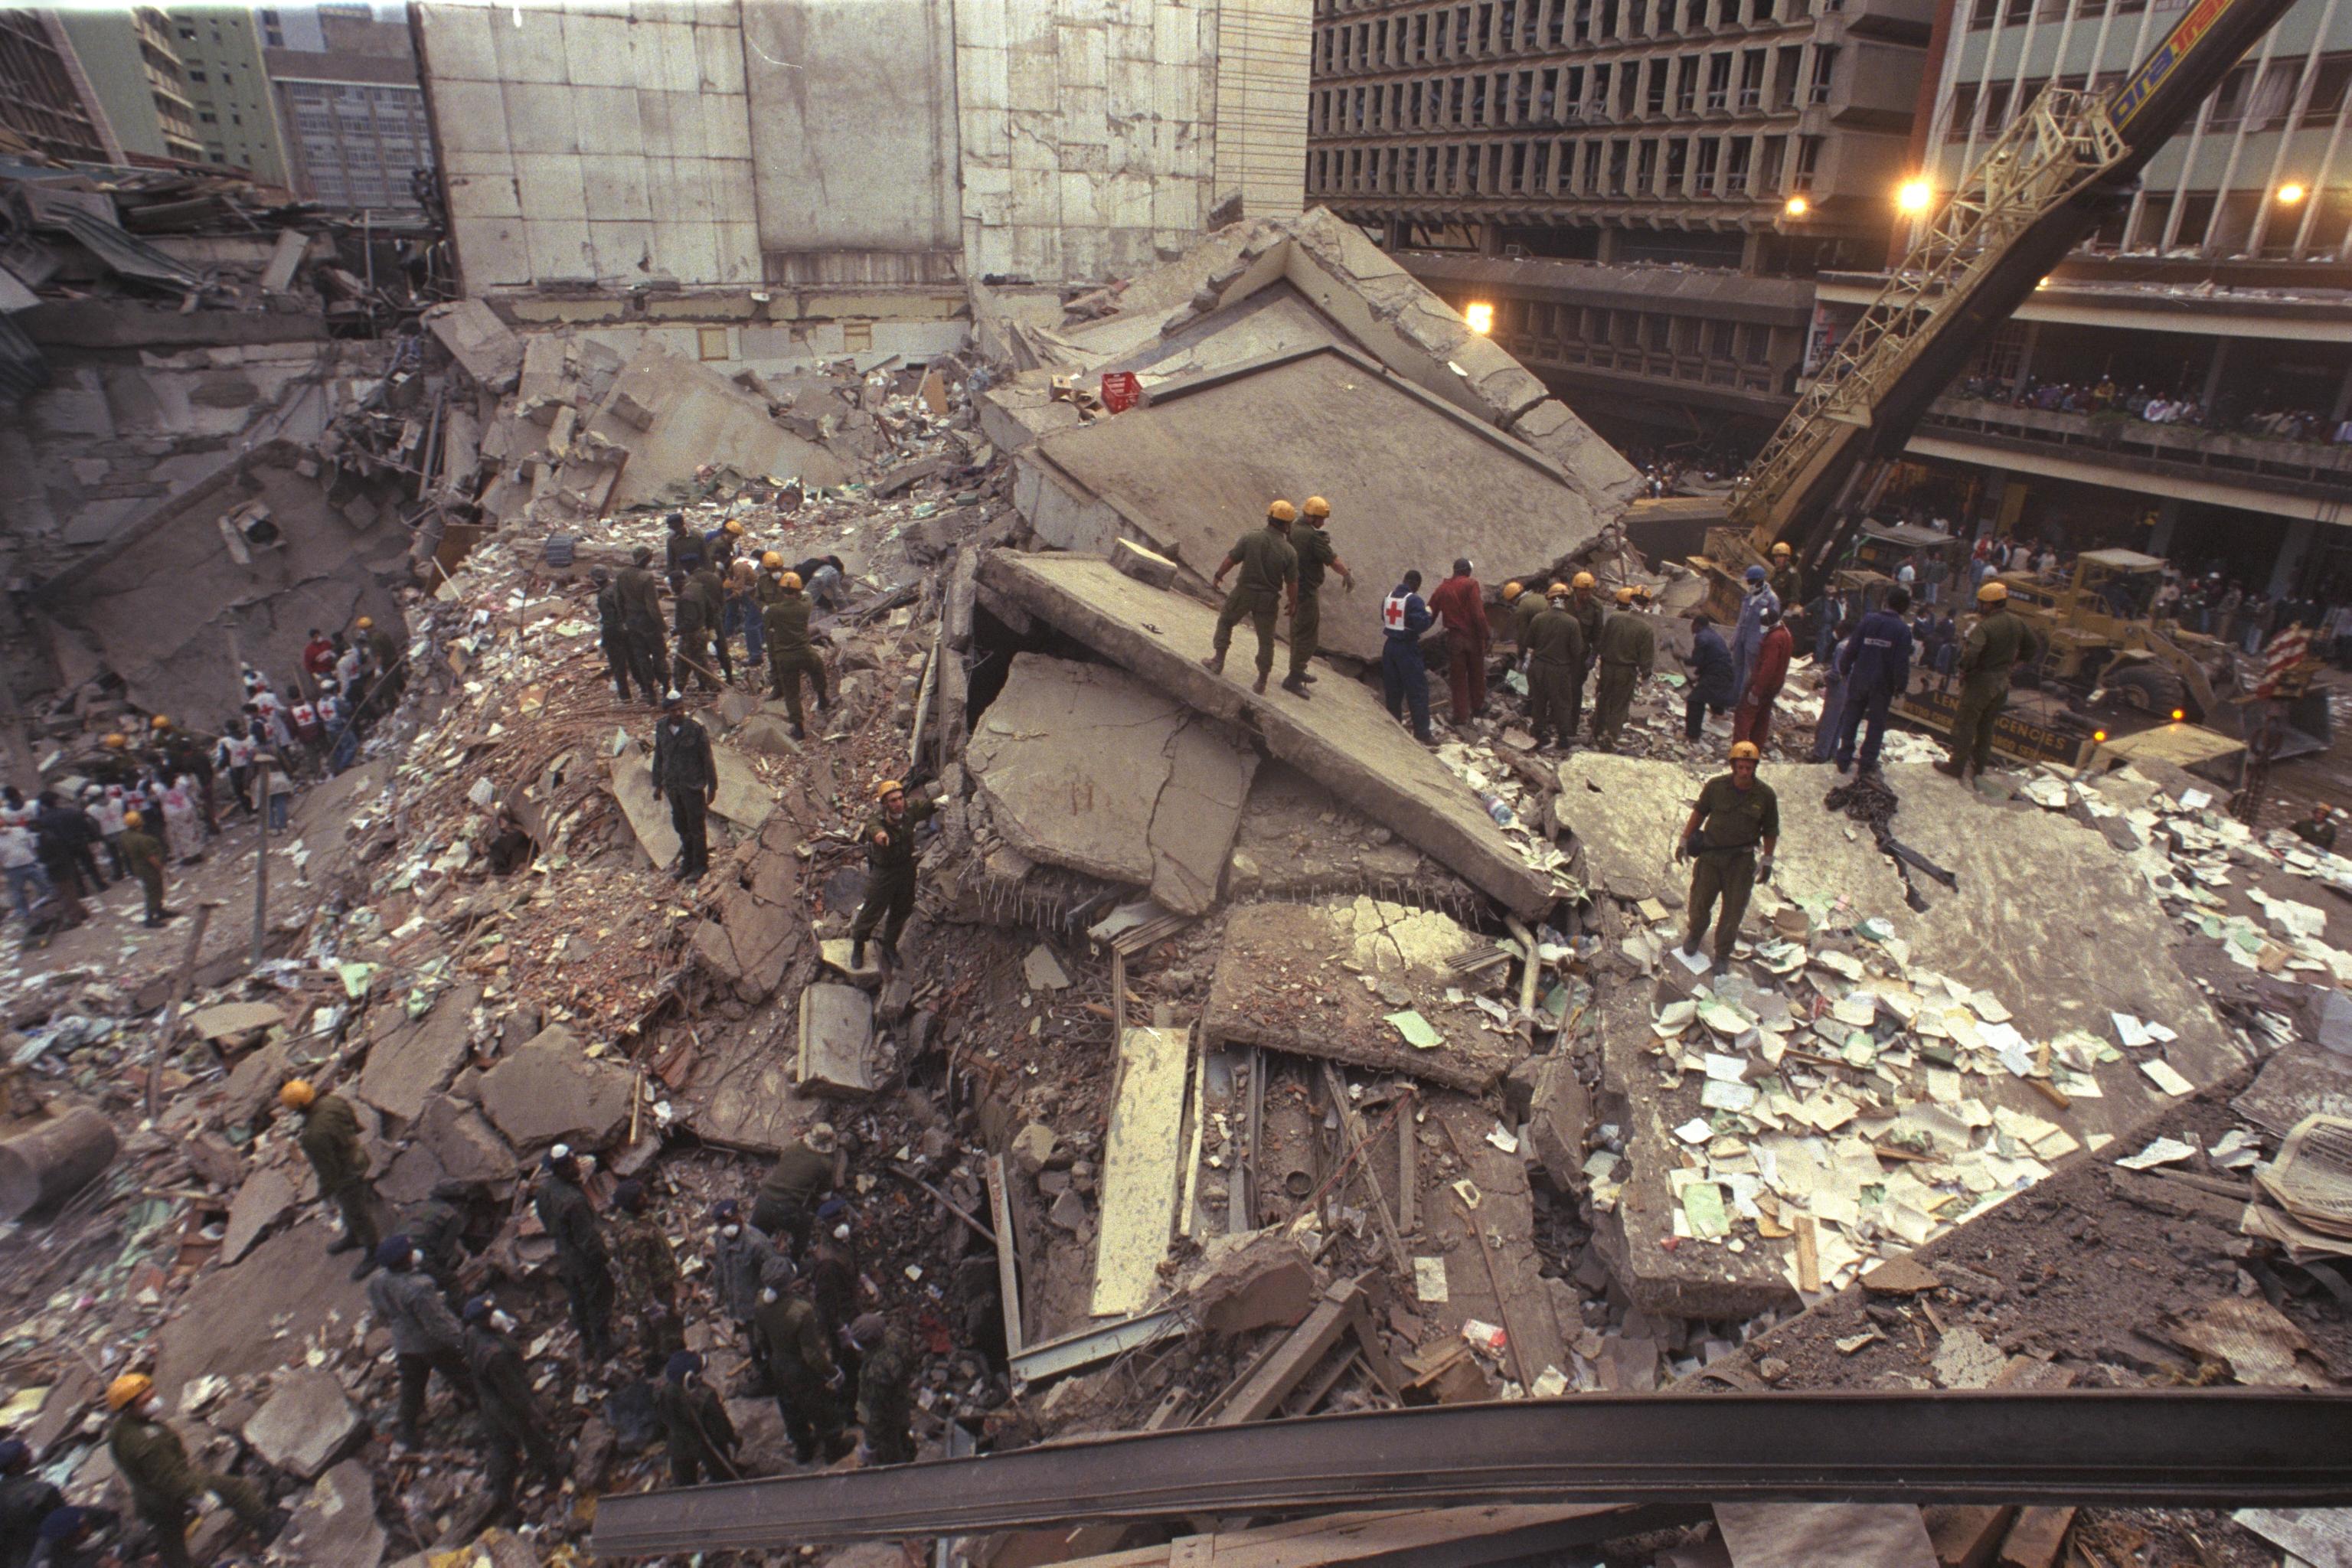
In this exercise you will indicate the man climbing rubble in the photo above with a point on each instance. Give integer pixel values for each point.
(791, 652)
(1736, 815)
(1628, 652)
(1316, 552)
(1554, 646)
(164, 1485)
(426, 1336)
(1405, 619)
(1270, 577)
(569, 1219)
(889, 837)
(640, 601)
(801, 1373)
(645, 1279)
(1995, 645)
(331, 1141)
(700, 1439)
(802, 1174)
(685, 773)
(513, 1425)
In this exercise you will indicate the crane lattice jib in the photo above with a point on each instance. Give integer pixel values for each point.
(2066, 140)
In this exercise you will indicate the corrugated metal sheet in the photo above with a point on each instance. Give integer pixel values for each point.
(130, 257)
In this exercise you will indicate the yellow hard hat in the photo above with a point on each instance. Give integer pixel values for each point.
(770, 560)
(1318, 506)
(1581, 580)
(888, 788)
(1992, 592)
(791, 579)
(1512, 589)
(297, 1093)
(1625, 595)
(117, 740)
(1780, 550)
(1556, 591)
(1745, 752)
(132, 819)
(735, 527)
(129, 1390)
(1282, 511)
(365, 623)
(159, 723)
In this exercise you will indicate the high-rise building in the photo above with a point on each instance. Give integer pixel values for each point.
(237, 120)
(135, 71)
(2182, 383)
(348, 95)
(45, 96)
(1640, 191)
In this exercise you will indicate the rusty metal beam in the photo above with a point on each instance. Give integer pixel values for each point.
(2206, 1447)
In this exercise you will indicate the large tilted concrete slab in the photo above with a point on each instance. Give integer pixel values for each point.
(1413, 480)
(1087, 766)
(2048, 921)
(1343, 738)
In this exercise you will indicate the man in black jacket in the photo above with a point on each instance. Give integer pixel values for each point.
(512, 1422)
(67, 836)
(687, 776)
(569, 1221)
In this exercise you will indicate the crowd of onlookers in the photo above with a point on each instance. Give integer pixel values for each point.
(2106, 395)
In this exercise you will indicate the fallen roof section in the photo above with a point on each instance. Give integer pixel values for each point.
(1191, 471)
(672, 415)
(1343, 737)
(2210, 1448)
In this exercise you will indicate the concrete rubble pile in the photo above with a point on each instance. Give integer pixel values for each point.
(1243, 1056)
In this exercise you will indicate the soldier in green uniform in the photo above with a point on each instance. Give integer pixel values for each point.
(1555, 647)
(1315, 552)
(143, 857)
(1995, 646)
(801, 1373)
(640, 600)
(1787, 579)
(889, 835)
(1628, 651)
(1269, 574)
(1736, 815)
(645, 1277)
(695, 1428)
(1586, 607)
(164, 1484)
(700, 604)
(802, 1174)
(331, 1140)
(792, 653)
(513, 1425)
(886, 1394)
(569, 1219)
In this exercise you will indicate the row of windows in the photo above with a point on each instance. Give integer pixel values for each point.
(2247, 99)
(1748, 81)
(1499, 27)
(1701, 349)
(1671, 168)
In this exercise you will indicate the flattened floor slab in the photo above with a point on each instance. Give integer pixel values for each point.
(1343, 737)
(1323, 980)
(1084, 765)
(288, 1282)
(699, 416)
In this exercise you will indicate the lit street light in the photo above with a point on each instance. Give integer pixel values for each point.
(1797, 207)
(1479, 317)
(2291, 192)
(1914, 198)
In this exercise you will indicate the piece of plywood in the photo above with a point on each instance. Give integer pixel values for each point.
(1140, 1169)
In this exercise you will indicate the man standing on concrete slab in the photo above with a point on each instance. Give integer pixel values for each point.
(1736, 815)
(1876, 662)
(890, 834)
(1405, 675)
(1995, 646)
(1461, 602)
(426, 1336)
(570, 1220)
(1584, 604)
(1767, 673)
(331, 1141)
(792, 653)
(1628, 651)
(1750, 633)
(640, 601)
(1555, 644)
(1269, 574)
(685, 772)
(1710, 676)
(1316, 551)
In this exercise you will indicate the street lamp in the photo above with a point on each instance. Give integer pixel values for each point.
(1914, 198)
(2291, 192)
(1479, 317)
(1796, 206)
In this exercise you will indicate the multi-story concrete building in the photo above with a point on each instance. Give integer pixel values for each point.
(237, 118)
(134, 70)
(45, 96)
(357, 132)
(2219, 293)
(1641, 190)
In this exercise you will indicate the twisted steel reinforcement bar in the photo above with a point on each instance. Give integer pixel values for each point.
(2214, 1447)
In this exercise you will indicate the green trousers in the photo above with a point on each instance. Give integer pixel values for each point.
(1982, 702)
(1259, 610)
(1729, 874)
(1613, 704)
(786, 668)
(1306, 625)
(1550, 710)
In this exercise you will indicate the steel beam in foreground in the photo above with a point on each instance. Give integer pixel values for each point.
(2210, 1448)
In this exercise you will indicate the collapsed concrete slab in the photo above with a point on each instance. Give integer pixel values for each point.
(1360, 982)
(673, 415)
(1390, 457)
(335, 1526)
(463, 1144)
(2049, 935)
(288, 1282)
(1296, 840)
(548, 1092)
(1343, 738)
(267, 1197)
(413, 1059)
(306, 1425)
(742, 799)
(489, 349)
(1085, 766)
(836, 1041)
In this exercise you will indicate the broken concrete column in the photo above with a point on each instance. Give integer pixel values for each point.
(54, 1162)
(836, 1043)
